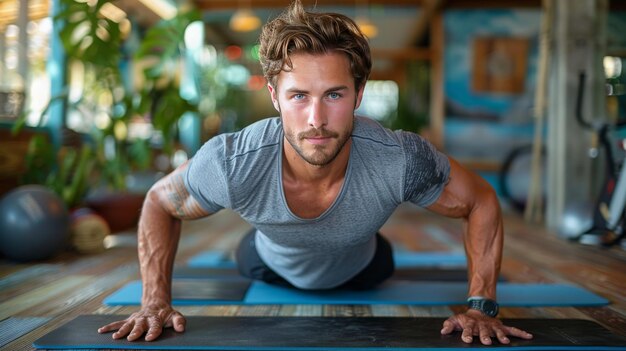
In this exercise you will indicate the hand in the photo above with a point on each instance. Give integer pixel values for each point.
(149, 320)
(474, 323)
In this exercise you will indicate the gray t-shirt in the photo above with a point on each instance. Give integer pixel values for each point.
(242, 171)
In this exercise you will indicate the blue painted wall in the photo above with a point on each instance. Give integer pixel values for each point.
(485, 126)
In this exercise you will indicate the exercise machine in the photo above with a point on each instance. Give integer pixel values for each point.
(609, 217)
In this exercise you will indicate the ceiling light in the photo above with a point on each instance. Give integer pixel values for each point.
(612, 66)
(244, 20)
(368, 28)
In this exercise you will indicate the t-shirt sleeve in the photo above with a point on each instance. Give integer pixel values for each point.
(205, 178)
(427, 170)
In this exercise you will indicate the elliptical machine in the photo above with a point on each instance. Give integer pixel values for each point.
(609, 217)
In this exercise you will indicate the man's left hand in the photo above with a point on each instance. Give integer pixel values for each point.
(475, 323)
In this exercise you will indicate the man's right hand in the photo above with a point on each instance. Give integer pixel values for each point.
(149, 320)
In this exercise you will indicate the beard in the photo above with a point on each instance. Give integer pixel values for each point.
(321, 155)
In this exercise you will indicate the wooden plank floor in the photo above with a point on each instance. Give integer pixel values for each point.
(74, 284)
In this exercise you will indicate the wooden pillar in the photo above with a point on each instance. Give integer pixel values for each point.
(3, 68)
(578, 44)
(22, 48)
(437, 106)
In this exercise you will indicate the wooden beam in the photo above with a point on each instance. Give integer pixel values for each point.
(231, 4)
(381, 75)
(478, 4)
(618, 53)
(37, 9)
(399, 59)
(617, 5)
(428, 10)
(139, 12)
(411, 52)
(222, 33)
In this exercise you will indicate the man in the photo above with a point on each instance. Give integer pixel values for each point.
(317, 184)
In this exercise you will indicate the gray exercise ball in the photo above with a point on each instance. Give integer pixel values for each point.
(34, 223)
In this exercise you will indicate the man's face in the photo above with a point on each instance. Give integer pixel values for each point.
(316, 101)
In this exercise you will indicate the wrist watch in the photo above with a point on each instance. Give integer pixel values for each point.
(487, 306)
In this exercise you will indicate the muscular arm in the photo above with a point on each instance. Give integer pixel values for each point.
(166, 204)
(471, 198)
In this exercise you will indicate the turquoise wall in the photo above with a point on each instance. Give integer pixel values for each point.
(486, 126)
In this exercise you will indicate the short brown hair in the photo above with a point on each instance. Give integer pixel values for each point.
(300, 31)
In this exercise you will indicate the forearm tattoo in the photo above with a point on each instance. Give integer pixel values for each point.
(177, 199)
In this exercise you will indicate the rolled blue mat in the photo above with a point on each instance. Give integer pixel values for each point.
(408, 259)
(402, 259)
(212, 259)
(391, 292)
(426, 293)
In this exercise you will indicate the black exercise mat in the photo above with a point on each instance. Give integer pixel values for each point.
(210, 289)
(204, 272)
(329, 333)
(189, 291)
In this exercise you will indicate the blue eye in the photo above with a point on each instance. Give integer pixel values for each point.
(334, 96)
(298, 96)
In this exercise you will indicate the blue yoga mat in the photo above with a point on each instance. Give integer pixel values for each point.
(402, 259)
(408, 259)
(212, 259)
(426, 293)
(391, 292)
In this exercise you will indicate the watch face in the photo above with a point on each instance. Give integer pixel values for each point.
(486, 306)
(490, 308)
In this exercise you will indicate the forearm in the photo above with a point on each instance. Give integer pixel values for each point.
(167, 203)
(159, 233)
(483, 245)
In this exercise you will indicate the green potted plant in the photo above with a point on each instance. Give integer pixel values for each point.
(96, 42)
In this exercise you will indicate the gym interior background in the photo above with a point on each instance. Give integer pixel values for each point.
(99, 99)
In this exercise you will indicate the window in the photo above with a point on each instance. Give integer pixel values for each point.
(380, 99)
(24, 88)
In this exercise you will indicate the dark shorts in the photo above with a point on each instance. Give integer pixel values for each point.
(379, 269)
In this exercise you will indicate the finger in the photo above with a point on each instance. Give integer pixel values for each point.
(155, 328)
(518, 333)
(501, 336)
(138, 330)
(124, 330)
(448, 327)
(179, 323)
(485, 334)
(111, 326)
(468, 333)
